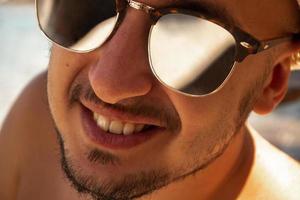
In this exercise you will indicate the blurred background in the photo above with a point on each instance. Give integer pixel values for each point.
(24, 52)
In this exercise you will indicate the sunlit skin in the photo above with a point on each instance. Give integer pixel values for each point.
(236, 161)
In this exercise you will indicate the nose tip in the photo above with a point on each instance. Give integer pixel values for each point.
(113, 84)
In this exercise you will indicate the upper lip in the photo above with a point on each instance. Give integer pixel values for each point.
(113, 114)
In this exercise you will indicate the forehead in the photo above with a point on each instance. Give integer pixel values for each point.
(262, 18)
(265, 18)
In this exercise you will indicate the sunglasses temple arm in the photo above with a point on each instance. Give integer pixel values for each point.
(267, 44)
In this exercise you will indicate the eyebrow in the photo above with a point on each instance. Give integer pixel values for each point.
(207, 8)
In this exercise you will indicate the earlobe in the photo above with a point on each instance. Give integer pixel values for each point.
(274, 90)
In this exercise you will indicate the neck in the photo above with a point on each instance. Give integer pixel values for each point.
(223, 178)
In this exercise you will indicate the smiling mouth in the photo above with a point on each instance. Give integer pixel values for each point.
(119, 127)
(117, 133)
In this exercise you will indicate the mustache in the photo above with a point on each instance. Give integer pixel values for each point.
(137, 106)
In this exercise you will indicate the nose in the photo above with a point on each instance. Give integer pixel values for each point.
(122, 69)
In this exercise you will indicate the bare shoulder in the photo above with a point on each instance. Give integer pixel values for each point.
(274, 174)
(23, 129)
(29, 111)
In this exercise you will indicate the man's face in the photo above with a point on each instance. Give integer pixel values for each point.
(181, 135)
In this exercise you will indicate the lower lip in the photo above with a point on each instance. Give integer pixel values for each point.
(113, 141)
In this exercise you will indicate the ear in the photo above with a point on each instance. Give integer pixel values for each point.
(276, 85)
(274, 89)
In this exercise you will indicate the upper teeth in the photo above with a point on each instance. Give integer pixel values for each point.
(117, 127)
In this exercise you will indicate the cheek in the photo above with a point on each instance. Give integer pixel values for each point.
(250, 71)
(207, 125)
(202, 112)
(64, 68)
(204, 120)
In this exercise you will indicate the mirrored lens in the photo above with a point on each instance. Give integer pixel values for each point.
(80, 25)
(191, 54)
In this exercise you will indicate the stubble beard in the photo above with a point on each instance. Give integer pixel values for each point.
(133, 186)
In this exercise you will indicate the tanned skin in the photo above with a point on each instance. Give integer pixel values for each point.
(241, 165)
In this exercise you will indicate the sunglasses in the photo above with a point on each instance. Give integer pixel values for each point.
(191, 52)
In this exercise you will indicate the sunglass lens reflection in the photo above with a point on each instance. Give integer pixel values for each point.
(77, 24)
(191, 54)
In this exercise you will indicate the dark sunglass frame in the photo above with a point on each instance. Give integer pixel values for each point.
(246, 44)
